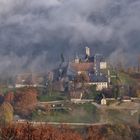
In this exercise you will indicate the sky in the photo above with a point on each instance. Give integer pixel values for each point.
(34, 33)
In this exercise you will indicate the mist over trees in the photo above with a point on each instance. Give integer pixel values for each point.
(34, 35)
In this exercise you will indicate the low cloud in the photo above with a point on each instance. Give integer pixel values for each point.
(33, 34)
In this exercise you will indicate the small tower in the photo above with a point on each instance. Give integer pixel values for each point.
(87, 51)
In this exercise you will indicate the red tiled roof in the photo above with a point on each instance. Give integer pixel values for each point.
(81, 66)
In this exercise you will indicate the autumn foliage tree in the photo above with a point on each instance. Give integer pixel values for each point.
(27, 131)
(25, 101)
(41, 132)
(9, 97)
(6, 113)
(113, 132)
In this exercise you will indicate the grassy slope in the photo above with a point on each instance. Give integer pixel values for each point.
(78, 113)
(126, 79)
(123, 79)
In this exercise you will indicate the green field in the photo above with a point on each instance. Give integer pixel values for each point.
(51, 98)
(126, 79)
(76, 113)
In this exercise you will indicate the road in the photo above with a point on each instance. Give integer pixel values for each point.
(62, 101)
(58, 123)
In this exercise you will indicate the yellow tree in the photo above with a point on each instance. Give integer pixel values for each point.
(6, 113)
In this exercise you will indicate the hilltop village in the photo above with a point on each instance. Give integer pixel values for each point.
(72, 77)
(88, 69)
(77, 77)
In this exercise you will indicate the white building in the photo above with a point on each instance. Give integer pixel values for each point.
(103, 101)
(99, 85)
(103, 65)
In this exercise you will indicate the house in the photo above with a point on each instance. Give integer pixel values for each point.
(79, 68)
(86, 70)
(101, 81)
(103, 101)
(29, 79)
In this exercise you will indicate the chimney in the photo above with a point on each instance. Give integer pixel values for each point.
(87, 51)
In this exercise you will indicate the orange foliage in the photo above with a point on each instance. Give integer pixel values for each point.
(42, 132)
(96, 133)
(25, 101)
(27, 131)
(9, 97)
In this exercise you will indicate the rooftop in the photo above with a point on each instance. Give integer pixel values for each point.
(84, 66)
